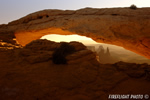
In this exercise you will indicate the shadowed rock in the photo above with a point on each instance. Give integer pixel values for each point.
(29, 73)
(59, 55)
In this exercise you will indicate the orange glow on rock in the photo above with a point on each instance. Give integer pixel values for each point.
(24, 38)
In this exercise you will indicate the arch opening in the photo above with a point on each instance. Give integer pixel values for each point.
(129, 29)
(26, 37)
(106, 53)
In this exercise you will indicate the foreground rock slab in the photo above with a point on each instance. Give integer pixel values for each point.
(28, 73)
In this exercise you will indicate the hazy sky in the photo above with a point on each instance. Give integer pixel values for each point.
(68, 38)
(13, 9)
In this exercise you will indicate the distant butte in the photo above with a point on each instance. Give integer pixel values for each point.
(125, 27)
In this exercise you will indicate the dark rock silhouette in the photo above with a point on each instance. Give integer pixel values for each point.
(107, 52)
(59, 55)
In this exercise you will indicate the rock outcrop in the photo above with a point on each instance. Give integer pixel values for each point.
(104, 56)
(124, 27)
(42, 50)
(28, 73)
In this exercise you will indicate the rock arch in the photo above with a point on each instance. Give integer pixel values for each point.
(124, 27)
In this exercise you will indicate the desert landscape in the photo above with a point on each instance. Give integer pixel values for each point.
(39, 69)
(106, 53)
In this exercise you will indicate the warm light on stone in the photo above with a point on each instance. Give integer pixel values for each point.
(118, 26)
(24, 38)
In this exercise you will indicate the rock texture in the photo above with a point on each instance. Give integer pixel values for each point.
(28, 73)
(124, 27)
(42, 50)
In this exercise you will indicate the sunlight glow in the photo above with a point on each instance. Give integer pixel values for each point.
(68, 38)
(116, 51)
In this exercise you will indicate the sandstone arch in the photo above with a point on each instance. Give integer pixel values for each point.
(119, 26)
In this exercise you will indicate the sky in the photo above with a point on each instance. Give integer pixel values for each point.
(69, 38)
(14, 9)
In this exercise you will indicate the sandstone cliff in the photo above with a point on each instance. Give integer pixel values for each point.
(124, 27)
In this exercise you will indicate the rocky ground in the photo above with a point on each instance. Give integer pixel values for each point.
(28, 73)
